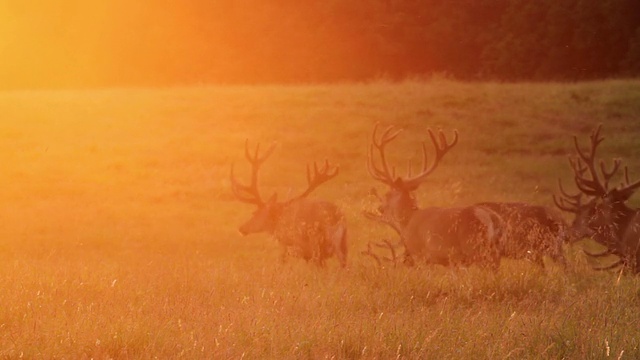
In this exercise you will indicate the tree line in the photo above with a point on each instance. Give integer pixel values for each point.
(466, 39)
(289, 41)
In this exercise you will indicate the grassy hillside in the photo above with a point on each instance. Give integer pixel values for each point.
(119, 235)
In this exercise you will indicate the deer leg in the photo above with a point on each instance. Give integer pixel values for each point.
(491, 259)
(408, 259)
(537, 259)
(315, 244)
(558, 253)
(284, 253)
(494, 262)
(339, 244)
(560, 259)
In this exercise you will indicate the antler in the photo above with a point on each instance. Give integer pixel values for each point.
(568, 202)
(385, 244)
(250, 193)
(442, 146)
(387, 176)
(592, 186)
(383, 219)
(382, 174)
(626, 189)
(319, 177)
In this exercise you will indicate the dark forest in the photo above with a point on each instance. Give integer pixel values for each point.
(150, 43)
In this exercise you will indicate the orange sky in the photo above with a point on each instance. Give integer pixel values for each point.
(53, 43)
(74, 43)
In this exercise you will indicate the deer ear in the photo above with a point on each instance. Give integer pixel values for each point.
(622, 195)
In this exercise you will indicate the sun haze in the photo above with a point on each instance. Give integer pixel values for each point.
(70, 43)
(79, 43)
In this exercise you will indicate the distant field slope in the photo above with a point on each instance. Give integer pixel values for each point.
(119, 230)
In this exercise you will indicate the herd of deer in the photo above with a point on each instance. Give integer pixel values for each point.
(479, 234)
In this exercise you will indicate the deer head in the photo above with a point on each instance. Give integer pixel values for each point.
(583, 212)
(399, 202)
(266, 216)
(608, 215)
(589, 182)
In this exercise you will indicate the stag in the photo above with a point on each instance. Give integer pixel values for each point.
(532, 232)
(460, 235)
(609, 220)
(314, 230)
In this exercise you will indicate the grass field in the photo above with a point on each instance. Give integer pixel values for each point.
(119, 231)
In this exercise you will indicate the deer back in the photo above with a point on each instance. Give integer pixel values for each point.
(305, 223)
(525, 218)
(532, 231)
(453, 235)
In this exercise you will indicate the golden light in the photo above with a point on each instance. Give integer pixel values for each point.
(79, 43)
(72, 43)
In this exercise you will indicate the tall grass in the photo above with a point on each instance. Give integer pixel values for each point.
(119, 230)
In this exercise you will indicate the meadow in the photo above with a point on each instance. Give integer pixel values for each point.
(119, 230)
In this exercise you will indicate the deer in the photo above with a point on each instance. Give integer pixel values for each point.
(314, 230)
(609, 220)
(435, 235)
(532, 232)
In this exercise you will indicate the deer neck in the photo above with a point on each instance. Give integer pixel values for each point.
(618, 230)
(630, 235)
(625, 217)
(402, 206)
(404, 215)
(275, 218)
